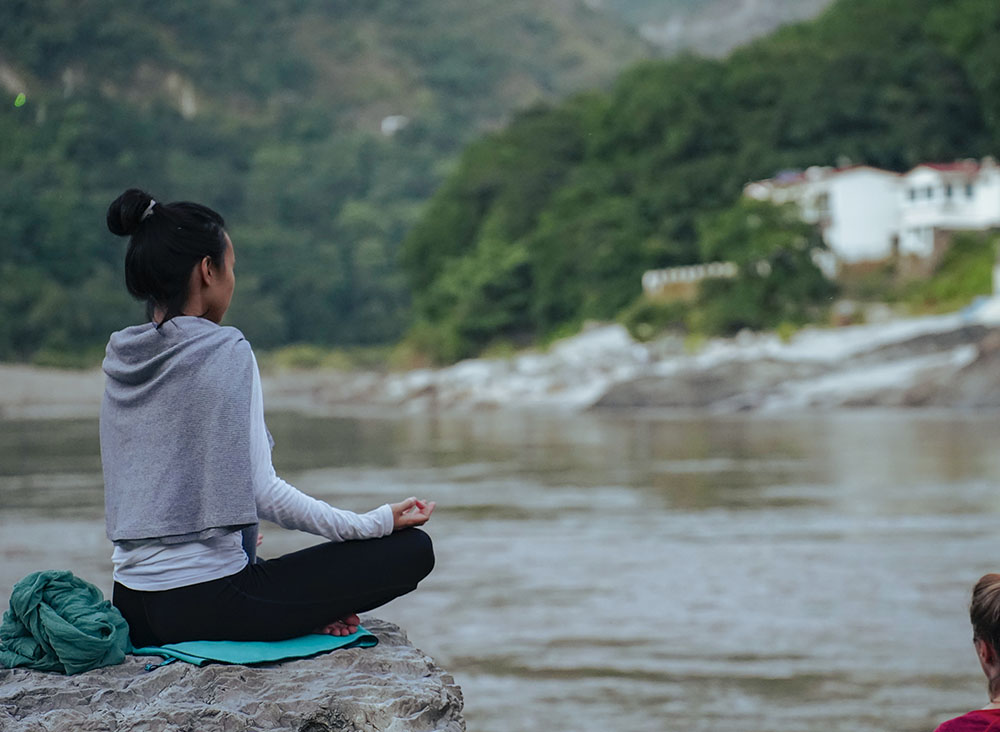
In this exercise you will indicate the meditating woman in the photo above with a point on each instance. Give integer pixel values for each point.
(187, 464)
(985, 615)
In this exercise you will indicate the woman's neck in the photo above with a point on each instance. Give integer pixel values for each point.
(993, 688)
(160, 313)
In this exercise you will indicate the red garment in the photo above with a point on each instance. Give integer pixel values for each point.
(981, 720)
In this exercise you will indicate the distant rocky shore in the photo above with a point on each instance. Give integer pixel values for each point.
(391, 687)
(950, 361)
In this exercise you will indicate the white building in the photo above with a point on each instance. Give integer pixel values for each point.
(949, 196)
(857, 208)
(682, 282)
(868, 214)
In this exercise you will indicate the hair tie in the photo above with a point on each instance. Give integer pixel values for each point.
(149, 210)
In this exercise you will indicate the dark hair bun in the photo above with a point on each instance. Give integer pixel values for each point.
(125, 213)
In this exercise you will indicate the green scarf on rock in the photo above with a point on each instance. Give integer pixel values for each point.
(59, 622)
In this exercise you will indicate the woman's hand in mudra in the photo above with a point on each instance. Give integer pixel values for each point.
(411, 512)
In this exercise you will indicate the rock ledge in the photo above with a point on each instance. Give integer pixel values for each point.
(391, 688)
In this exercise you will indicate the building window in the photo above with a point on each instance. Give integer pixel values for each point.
(949, 190)
(969, 188)
(913, 194)
(929, 192)
(822, 204)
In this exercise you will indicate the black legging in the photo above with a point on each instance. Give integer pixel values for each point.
(284, 597)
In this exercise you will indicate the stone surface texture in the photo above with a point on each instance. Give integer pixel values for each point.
(392, 687)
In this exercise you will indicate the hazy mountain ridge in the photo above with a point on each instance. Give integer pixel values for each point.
(384, 53)
(721, 26)
(708, 27)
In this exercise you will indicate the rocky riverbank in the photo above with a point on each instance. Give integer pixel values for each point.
(391, 687)
(942, 361)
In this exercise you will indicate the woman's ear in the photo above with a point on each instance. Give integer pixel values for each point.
(205, 270)
(987, 654)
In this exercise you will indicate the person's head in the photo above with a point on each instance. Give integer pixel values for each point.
(179, 259)
(984, 612)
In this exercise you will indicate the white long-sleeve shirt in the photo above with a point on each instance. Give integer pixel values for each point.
(155, 566)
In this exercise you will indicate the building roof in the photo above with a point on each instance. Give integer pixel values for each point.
(961, 165)
(788, 178)
(862, 166)
(960, 168)
(815, 173)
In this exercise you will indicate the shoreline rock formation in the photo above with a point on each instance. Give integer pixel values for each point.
(940, 362)
(392, 687)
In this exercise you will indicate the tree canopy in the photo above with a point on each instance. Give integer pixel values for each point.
(593, 191)
(270, 114)
(547, 218)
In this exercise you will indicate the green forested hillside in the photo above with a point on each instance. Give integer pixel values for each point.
(554, 219)
(271, 113)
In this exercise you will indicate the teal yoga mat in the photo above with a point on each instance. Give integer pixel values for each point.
(250, 652)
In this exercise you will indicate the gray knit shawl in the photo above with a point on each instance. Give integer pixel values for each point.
(175, 432)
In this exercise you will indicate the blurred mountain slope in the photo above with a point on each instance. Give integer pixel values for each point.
(708, 27)
(273, 113)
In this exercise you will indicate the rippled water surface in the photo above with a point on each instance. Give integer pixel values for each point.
(633, 573)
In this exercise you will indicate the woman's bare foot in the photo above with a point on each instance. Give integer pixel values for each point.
(347, 625)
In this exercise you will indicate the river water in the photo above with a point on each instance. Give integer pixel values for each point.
(639, 572)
